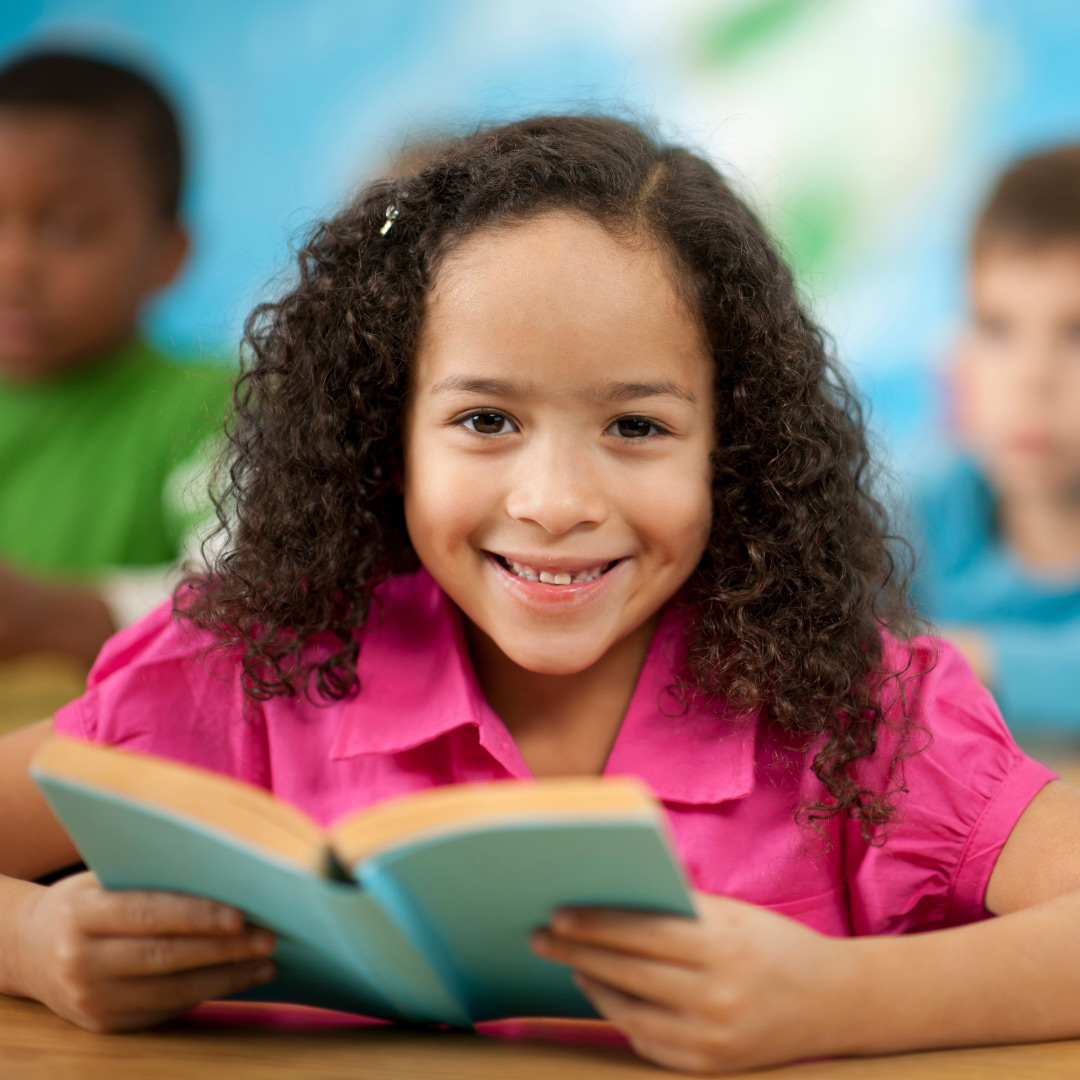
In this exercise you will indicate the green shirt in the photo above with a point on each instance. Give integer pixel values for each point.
(87, 459)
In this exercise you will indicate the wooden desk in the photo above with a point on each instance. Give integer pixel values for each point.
(242, 1042)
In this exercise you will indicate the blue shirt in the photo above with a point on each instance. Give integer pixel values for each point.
(1031, 621)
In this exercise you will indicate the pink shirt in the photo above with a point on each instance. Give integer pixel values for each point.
(729, 787)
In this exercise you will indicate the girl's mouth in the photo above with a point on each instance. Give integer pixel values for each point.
(552, 577)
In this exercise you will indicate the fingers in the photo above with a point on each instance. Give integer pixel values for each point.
(657, 1033)
(115, 957)
(150, 914)
(652, 980)
(132, 1004)
(186, 989)
(671, 938)
(629, 1013)
(677, 1058)
(118, 961)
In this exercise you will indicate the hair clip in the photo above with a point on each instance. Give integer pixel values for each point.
(391, 217)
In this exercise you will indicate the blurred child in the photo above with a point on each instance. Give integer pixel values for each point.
(1001, 568)
(93, 421)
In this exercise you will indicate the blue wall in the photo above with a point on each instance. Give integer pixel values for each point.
(291, 105)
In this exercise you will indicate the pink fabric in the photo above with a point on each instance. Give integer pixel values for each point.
(729, 786)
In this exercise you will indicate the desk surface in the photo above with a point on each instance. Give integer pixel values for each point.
(242, 1042)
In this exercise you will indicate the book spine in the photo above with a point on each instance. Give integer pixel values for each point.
(409, 916)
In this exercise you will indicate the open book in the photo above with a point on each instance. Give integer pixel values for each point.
(416, 909)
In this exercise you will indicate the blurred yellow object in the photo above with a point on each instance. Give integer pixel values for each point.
(33, 687)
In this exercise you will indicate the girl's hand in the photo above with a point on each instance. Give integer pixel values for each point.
(736, 988)
(117, 961)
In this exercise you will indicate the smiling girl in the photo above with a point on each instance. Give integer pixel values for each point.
(540, 469)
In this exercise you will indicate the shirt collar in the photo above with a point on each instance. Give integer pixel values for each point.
(687, 747)
(417, 683)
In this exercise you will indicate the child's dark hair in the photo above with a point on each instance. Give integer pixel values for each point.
(1035, 202)
(76, 83)
(798, 576)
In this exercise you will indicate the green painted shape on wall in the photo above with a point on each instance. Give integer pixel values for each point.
(729, 38)
(811, 224)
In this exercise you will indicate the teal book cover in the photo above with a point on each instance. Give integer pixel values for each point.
(418, 909)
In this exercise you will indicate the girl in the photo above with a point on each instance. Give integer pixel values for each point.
(541, 469)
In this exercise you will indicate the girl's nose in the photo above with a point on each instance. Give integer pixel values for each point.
(556, 488)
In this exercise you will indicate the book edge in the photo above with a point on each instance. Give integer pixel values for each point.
(229, 807)
(465, 808)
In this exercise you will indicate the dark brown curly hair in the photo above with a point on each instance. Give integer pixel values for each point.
(800, 574)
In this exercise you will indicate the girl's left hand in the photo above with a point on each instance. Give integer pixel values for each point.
(737, 988)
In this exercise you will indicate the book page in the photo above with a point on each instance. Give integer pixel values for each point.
(248, 813)
(456, 807)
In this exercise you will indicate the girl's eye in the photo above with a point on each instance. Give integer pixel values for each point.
(489, 423)
(634, 427)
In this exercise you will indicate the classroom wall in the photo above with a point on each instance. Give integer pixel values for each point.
(864, 132)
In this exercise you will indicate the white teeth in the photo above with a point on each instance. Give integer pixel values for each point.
(588, 575)
(548, 578)
(554, 579)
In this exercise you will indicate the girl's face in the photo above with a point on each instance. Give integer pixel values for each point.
(558, 439)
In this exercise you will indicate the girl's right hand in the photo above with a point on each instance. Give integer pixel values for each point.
(118, 961)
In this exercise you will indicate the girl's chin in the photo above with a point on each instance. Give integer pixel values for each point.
(568, 660)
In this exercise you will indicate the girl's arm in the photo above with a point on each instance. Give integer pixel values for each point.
(32, 841)
(742, 987)
(1010, 979)
(107, 961)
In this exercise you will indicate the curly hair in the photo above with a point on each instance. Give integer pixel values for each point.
(799, 576)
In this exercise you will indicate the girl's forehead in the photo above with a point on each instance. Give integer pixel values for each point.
(554, 289)
(559, 246)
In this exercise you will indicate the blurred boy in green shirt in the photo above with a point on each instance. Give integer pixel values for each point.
(95, 425)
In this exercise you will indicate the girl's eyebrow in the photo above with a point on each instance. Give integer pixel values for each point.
(475, 385)
(631, 391)
(607, 391)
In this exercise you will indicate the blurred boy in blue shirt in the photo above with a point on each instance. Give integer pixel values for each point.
(1000, 561)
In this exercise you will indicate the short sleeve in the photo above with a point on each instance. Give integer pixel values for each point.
(163, 687)
(963, 784)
